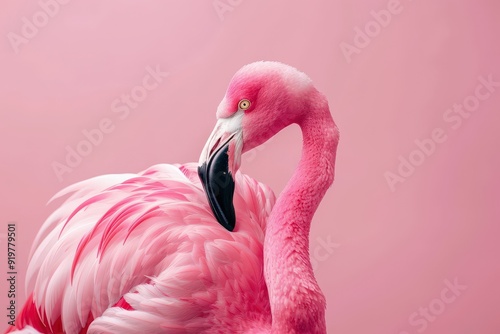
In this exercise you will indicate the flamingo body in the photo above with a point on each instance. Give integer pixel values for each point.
(148, 241)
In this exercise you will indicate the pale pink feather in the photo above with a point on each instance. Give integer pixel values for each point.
(152, 239)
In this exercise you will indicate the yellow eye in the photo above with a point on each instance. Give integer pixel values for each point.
(244, 104)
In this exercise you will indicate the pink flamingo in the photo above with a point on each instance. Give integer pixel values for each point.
(134, 253)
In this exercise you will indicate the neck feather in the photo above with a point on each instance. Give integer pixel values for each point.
(297, 303)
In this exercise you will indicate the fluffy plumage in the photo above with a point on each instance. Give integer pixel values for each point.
(150, 241)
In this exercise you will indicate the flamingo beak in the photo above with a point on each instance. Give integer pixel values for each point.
(219, 161)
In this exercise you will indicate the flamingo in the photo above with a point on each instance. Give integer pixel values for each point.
(194, 248)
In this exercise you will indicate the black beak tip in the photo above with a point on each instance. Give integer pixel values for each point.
(219, 187)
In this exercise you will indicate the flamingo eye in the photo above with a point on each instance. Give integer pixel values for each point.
(244, 104)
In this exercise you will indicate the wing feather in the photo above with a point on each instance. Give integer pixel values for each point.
(151, 239)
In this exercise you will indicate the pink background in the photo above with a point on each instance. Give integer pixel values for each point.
(393, 249)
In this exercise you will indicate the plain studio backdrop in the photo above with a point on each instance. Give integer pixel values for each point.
(406, 240)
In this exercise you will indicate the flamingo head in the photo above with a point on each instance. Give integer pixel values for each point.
(262, 99)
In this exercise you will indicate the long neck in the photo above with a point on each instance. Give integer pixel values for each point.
(297, 303)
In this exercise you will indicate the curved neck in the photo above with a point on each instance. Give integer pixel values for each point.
(297, 303)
